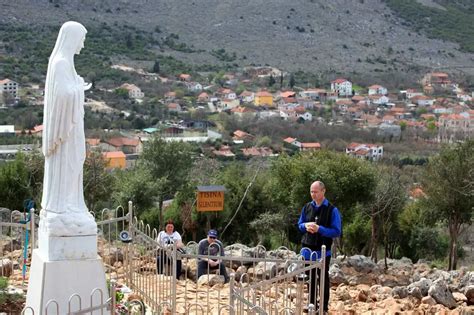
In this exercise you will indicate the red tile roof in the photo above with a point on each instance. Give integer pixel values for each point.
(263, 93)
(121, 141)
(310, 145)
(114, 154)
(340, 80)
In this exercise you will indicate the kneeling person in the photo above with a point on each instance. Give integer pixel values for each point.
(213, 247)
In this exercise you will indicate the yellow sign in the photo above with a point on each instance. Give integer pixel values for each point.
(210, 200)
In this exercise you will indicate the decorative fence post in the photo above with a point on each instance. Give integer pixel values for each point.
(231, 294)
(322, 279)
(300, 283)
(113, 284)
(32, 227)
(129, 250)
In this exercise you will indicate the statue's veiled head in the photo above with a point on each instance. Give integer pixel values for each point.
(70, 39)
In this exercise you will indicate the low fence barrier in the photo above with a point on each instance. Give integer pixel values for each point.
(257, 282)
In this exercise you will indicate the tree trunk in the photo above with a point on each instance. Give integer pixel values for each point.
(373, 240)
(160, 209)
(453, 244)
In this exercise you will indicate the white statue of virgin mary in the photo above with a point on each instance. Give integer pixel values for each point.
(64, 210)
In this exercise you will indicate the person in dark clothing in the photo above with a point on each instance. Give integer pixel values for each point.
(320, 222)
(213, 247)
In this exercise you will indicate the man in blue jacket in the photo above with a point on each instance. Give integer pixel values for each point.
(320, 223)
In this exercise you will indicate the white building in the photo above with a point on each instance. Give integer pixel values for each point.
(194, 86)
(342, 87)
(10, 87)
(371, 152)
(377, 89)
(133, 90)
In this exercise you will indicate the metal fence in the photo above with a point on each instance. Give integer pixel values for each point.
(95, 304)
(260, 282)
(17, 233)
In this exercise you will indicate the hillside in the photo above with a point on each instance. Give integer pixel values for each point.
(341, 37)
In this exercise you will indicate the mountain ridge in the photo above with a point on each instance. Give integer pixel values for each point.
(342, 37)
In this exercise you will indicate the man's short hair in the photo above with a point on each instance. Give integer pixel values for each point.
(320, 184)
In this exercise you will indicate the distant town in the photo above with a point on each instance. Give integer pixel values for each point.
(439, 106)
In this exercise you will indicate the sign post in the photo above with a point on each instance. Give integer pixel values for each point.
(210, 198)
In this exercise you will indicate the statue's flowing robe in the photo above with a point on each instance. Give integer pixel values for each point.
(63, 139)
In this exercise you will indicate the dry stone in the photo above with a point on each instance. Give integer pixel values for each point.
(423, 284)
(440, 292)
(428, 300)
(210, 280)
(469, 293)
(400, 292)
(336, 275)
(111, 255)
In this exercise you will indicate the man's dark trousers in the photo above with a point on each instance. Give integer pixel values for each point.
(314, 285)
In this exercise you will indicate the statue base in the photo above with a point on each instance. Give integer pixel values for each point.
(54, 248)
(74, 284)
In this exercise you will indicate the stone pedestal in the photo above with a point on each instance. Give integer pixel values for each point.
(54, 248)
(68, 271)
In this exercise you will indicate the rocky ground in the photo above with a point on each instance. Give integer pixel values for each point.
(359, 286)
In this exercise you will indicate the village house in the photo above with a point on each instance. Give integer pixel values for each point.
(115, 159)
(257, 151)
(184, 77)
(92, 144)
(436, 80)
(37, 131)
(288, 114)
(378, 99)
(7, 130)
(203, 98)
(174, 108)
(223, 93)
(410, 93)
(437, 109)
(170, 96)
(306, 103)
(241, 136)
(194, 86)
(314, 94)
(224, 151)
(464, 97)
(126, 145)
(388, 119)
(266, 114)
(343, 104)
(341, 87)
(306, 116)
(262, 72)
(292, 142)
(310, 146)
(228, 104)
(9, 86)
(133, 91)
(240, 111)
(422, 100)
(247, 97)
(263, 98)
(456, 126)
(377, 90)
(371, 152)
(287, 94)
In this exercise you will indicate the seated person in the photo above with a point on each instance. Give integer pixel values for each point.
(166, 238)
(213, 247)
